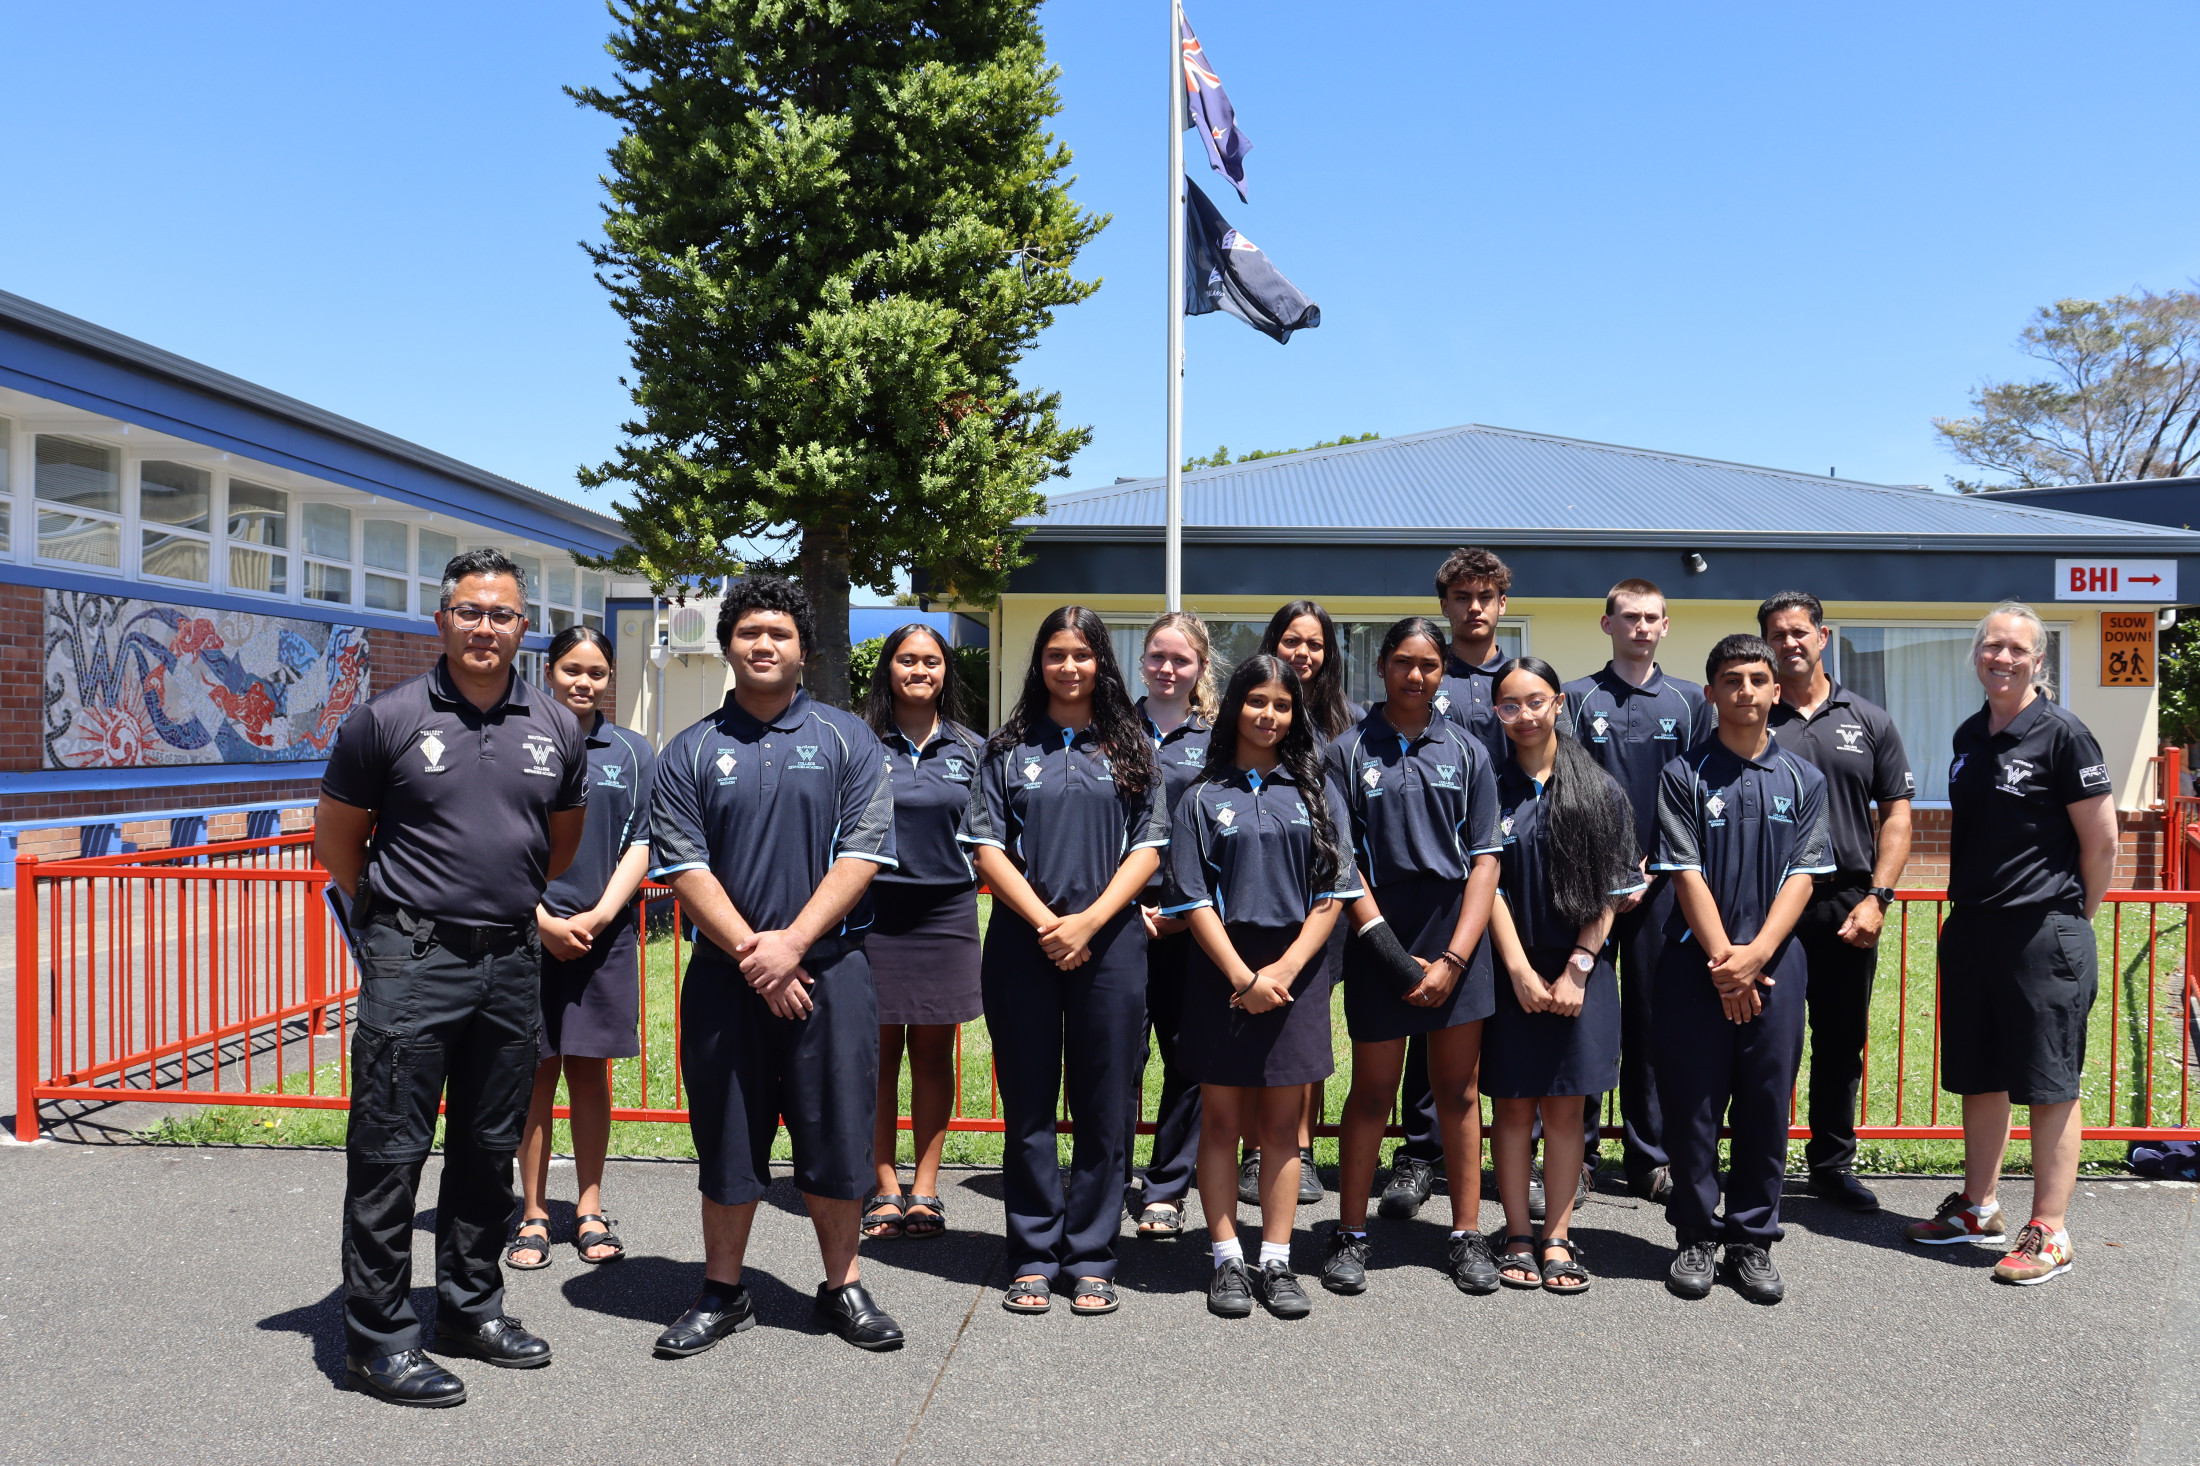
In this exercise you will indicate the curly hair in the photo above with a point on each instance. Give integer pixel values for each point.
(767, 593)
(1116, 725)
(1297, 753)
(1470, 564)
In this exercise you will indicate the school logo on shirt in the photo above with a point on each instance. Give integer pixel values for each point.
(1505, 826)
(2014, 771)
(1783, 809)
(1599, 726)
(2093, 776)
(1852, 738)
(808, 759)
(1031, 773)
(1715, 807)
(1372, 776)
(1909, 782)
(1441, 702)
(610, 779)
(1303, 819)
(1194, 756)
(432, 746)
(540, 750)
(957, 772)
(1447, 776)
(1666, 727)
(1957, 767)
(725, 762)
(1227, 818)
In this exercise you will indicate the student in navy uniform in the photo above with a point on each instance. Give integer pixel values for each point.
(1742, 832)
(1259, 869)
(769, 820)
(2031, 847)
(449, 803)
(1177, 665)
(1634, 719)
(591, 969)
(1569, 859)
(1066, 825)
(923, 941)
(1423, 807)
(1854, 744)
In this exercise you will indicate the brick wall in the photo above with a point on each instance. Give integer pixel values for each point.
(2138, 850)
(397, 656)
(22, 675)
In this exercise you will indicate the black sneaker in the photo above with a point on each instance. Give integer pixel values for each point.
(1843, 1190)
(1473, 1268)
(1538, 1204)
(1230, 1292)
(1249, 1180)
(1411, 1181)
(1749, 1267)
(1280, 1290)
(1694, 1266)
(1344, 1270)
(1310, 1179)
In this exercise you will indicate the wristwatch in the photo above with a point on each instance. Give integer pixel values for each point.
(1581, 960)
(1885, 895)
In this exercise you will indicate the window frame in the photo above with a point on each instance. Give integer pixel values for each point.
(119, 516)
(216, 503)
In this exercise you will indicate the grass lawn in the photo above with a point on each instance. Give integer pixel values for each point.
(2119, 1043)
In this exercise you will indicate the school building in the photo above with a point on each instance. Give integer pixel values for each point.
(199, 578)
(1904, 573)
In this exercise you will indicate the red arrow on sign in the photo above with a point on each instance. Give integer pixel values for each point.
(2144, 579)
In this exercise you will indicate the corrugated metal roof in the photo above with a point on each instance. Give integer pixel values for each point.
(1515, 487)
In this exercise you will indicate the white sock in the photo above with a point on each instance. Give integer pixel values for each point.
(1230, 1251)
(1275, 1252)
(1455, 1236)
(1353, 1231)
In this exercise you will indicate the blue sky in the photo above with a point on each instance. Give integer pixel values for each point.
(1781, 235)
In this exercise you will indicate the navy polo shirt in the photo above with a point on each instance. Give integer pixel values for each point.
(1853, 742)
(1524, 865)
(462, 798)
(1179, 754)
(620, 768)
(1421, 806)
(1745, 825)
(1049, 803)
(2010, 841)
(931, 791)
(1634, 732)
(767, 808)
(1468, 696)
(1244, 845)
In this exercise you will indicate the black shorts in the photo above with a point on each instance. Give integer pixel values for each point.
(2016, 986)
(747, 1070)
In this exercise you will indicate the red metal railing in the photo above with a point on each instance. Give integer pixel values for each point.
(212, 975)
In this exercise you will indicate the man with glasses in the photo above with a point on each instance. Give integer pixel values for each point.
(449, 802)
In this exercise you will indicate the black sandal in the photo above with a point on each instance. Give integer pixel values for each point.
(1037, 1288)
(883, 1216)
(1094, 1288)
(582, 1241)
(915, 1226)
(1161, 1222)
(1507, 1258)
(522, 1242)
(1564, 1275)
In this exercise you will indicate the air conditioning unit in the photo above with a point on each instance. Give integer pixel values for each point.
(692, 628)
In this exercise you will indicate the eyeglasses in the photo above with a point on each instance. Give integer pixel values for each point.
(468, 617)
(1534, 707)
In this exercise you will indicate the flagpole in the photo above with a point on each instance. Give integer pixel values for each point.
(1173, 551)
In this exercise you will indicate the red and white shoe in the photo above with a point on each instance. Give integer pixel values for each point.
(2039, 1255)
(1958, 1220)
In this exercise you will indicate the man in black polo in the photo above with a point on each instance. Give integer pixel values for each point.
(1854, 744)
(450, 801)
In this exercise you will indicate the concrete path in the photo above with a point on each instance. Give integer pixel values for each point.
(181, 1305)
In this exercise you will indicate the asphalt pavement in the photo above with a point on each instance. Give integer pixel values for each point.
(171, 1304)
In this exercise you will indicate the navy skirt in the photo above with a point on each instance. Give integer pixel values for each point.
(1531, 1055)
(923, 946)
(1423, 912)
(1289, 1044)
(591, 1006)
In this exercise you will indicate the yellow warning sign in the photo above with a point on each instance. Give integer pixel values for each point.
(2127, 648)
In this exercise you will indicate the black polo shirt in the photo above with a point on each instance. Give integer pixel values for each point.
(768, 807)
(462, 798)
(1524, 865)
(2010, 840)
(931, 791)
(1468, 696)
(1852, 741)
(1634, 732)
(1244, 845)
(1745, 825)
(1050, 804)
(1423, 806)
(621, 765)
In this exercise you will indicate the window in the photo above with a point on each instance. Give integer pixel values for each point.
(1236, 640)
(258, 517)
(1922, 675)
(591, 599)
(530, 570)
(83, 483)
(175, 518)
(382, 547)
(434, 551)
(7, 500)
(327, 537)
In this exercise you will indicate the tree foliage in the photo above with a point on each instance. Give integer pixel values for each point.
(834, 229)
(2121, 399)
(1221, 458)
(2177, 666)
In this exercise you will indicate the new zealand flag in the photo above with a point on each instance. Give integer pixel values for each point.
(1207, 107)
(1225, 271)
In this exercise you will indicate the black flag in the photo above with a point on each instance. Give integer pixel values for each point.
(1225, 271)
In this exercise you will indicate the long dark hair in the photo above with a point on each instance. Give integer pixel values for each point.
(1116, 725)
(878, 703)
(1325, 702)
(1296, 753)
(1592, 835)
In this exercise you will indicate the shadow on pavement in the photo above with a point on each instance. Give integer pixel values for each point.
(322, 1323)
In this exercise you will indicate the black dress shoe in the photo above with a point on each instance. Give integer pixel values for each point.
(500, 1341)
(406, 1378)
(1843, 1190)
(705, 1323)
(1473, 1267)
(1249, 1180)
(1411, 1181)
(1694, 1267)
(1538, 1204)
(1310, 1178)
(1754, 1277)
(855, 1315)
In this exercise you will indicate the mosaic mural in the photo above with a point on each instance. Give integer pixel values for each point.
(142, 684)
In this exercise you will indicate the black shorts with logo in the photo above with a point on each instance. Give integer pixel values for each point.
(2016, 986)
